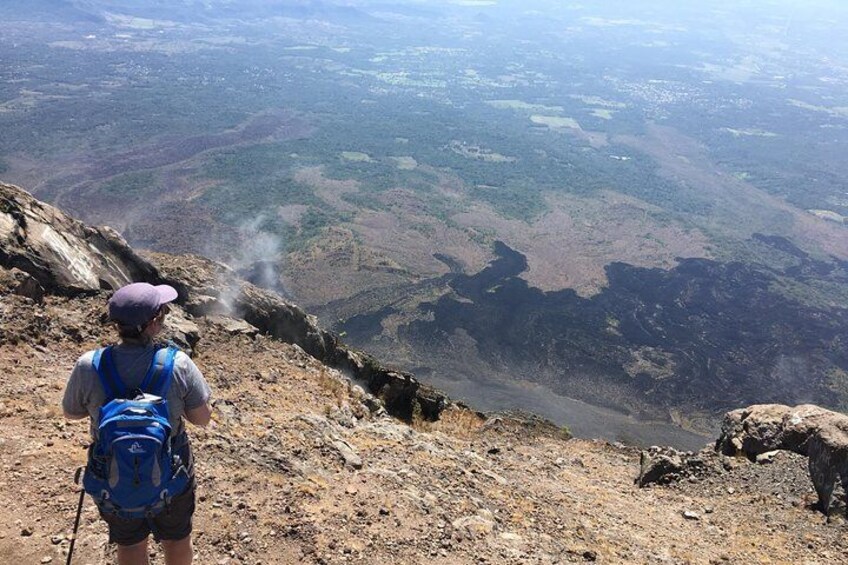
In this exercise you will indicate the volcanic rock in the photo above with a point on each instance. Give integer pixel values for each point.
(64, 255)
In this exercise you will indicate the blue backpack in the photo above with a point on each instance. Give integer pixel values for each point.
(133, 469)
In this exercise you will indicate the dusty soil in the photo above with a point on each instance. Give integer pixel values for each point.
(296, 469)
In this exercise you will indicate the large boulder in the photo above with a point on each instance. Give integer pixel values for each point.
(62, 254)
(828, 459)
(766, 427)
(820, 434)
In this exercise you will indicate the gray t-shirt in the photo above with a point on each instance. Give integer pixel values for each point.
(85, 395)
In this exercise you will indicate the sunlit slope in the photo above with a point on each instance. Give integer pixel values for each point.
(363, 157)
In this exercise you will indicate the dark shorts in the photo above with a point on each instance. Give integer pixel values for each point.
(173, 523)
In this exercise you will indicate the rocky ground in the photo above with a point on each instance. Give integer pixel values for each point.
(299, 467)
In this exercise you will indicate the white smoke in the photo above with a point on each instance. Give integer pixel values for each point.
(255, 255)
(260, 254)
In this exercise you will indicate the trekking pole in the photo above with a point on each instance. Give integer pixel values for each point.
(79, 512)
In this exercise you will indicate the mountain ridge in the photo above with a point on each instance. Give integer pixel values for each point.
(303, 465)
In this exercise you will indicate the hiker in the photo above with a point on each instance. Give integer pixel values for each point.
(121, 371)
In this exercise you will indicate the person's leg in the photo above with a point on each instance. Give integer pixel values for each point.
(131, 537)
(173, 528)
(177, 552)
(133, 554)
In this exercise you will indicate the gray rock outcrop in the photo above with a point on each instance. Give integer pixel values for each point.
(43, 250)
(820, 434)
(766, 427)
(62, 254)
(828, 460)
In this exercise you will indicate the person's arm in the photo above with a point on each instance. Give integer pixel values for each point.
(75, 398)
(199, 416)
(198, 410)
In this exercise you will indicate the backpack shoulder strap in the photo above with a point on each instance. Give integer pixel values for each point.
(103, 363)
(158, 377)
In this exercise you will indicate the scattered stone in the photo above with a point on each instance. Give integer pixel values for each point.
(767, 457)
(659, 466)
(26, 531)
(665, 465)
(373, 404)
(343, 416)
(233, 326)
(351, 458)
(474, 526)
(181, 330)
(691, 515)
(226, 409)
(46, 559)
(25, 285)
(389, 429)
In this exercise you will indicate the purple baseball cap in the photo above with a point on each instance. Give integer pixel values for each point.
(137, 303)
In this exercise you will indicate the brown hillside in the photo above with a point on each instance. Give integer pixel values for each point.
(303, 466)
